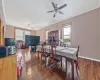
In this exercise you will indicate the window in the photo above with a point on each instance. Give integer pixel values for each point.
(47, 35)
(20, 34)
(26, 33)
(67, 34)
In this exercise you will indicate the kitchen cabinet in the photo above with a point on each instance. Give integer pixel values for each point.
(8, 68)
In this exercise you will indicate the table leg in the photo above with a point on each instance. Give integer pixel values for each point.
(72, 62)
(61, 62)
(45, 61)
(41, 60)
(38, 55)
(66, 69)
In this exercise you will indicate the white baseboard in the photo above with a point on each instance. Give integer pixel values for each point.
(90, 58)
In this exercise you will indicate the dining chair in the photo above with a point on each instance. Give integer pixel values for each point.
(39, 50)
(54, 59)
(45, 53)
(75, 61)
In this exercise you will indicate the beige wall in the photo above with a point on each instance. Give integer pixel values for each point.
(85, 33)
(33, 32)
(99, 31)
(9, 32)
(2, 17)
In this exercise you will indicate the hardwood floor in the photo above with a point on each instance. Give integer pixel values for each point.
(33, 70)
(89, 70)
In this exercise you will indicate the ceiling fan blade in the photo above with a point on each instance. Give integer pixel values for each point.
(53, 4)
(50, 11)
(54, 15)
(32, 28)
(62, 6)
(61, 12)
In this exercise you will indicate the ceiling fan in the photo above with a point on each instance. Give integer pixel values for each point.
(29, 26)
(57, 9)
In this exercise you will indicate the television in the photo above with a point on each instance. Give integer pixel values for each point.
(36, 40)
(32, 40)
(9, 41)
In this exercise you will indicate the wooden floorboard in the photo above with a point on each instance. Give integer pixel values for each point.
(89, 70)
(33, 70)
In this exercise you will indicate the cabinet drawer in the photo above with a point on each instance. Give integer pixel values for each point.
(1, 66)
(1, 61)
(14, 60)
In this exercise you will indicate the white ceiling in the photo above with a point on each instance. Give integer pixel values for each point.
(99, 3)
(23, 12)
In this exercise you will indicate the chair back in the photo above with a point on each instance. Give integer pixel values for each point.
(42, 48)
(47, 48)
(77, 54)
(77, 51)
(53, 50)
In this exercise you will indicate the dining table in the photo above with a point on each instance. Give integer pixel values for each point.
(67, 52)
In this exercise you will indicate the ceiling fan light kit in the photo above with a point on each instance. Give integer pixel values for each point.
(29, 27)
(57, 9)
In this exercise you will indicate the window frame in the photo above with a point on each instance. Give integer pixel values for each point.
(23, 32)
(67, 25)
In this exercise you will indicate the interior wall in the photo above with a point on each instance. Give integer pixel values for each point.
(2, 17)
(85, 33)
(99, 31)
(33, 32)
(0, 9)
(10, 31)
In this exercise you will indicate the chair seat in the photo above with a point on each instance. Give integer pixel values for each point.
(52, 65)
(39, 51)
(57, 57)
(68, 59)
(46, 54)
(54, 60)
